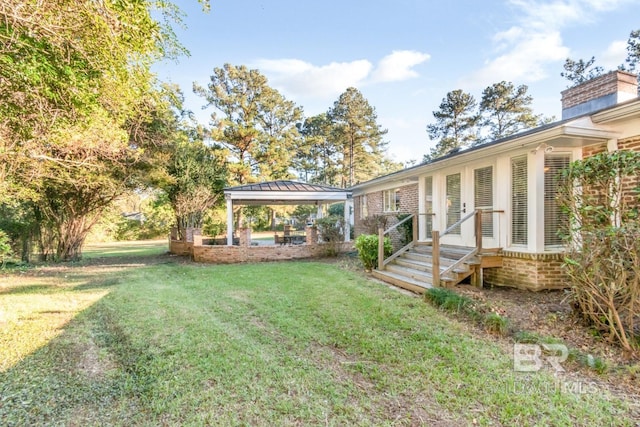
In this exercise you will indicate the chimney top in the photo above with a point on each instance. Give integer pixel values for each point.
(599, 93)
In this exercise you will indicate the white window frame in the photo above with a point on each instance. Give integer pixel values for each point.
(391, 200)
(364, 208)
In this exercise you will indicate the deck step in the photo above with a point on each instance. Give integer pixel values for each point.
(413, 269)
(402, 281)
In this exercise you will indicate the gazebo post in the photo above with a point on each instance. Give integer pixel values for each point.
(229, 220)
(319, 212)
(347, 219)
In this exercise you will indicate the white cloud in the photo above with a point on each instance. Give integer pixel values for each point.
(523, 62)
(297, 77)
(398, 66)
(615, 55)
(524, 51)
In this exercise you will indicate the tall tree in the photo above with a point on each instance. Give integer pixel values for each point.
(318, 159)
(77, 90)
(455, 125)
(356, 133)
(580, 71)
(633, 50)
(253, 121)
(506, 109)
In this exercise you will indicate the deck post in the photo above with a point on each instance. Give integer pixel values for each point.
(478, 224)
(380, 248)
(435, 257)
(414, 222)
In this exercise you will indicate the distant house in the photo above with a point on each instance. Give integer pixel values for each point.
(513, 181)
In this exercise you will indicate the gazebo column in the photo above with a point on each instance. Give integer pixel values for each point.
(348, 208)
(319, 212)
(229, 220)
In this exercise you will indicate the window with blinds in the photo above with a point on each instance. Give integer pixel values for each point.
(483, 197)
(391, 200)
(364, 208)
(454, 205)
(519, 203)
(428, 204)
(554, 218)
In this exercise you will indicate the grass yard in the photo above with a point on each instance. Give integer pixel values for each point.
(296, 343)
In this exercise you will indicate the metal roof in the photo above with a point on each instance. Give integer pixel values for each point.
(285, 185)
(285, 192)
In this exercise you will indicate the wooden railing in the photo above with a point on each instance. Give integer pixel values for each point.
(435, 235)
(382, 233)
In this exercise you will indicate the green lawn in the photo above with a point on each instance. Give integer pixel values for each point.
(297, 343)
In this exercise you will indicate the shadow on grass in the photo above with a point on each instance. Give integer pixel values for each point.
(29, 289)
(91, 374)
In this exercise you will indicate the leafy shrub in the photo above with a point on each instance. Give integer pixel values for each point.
(331, 230)
(603, 242)
(5, 247)
(367, 246)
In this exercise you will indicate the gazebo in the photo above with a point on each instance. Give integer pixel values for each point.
(286, 192)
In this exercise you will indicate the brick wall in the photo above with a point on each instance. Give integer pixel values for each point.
(533, 272)
(240, 254)
(610, 83)
(408, 204)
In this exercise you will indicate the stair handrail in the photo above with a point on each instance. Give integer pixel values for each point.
(382, 262)
(459, 222)
(435, 242)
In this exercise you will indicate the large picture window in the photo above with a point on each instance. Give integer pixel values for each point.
(391, 200)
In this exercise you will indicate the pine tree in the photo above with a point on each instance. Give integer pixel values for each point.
(506, 110)
(455, 125)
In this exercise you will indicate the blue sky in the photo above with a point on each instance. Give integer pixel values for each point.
(404, 56)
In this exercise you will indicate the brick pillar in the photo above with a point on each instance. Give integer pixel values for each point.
(197, 239)
(311, 235)
(190, 232)
(245, 236)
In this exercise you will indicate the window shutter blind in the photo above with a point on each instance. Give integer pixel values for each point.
(454, 205)
(428, 204)
(554, 218)
(519, 203)
(483, 197)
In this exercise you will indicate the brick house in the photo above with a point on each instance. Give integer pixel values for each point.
(513, 180)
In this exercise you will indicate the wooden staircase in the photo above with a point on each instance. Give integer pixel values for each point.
(413, 269)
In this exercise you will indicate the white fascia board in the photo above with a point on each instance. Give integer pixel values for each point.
(625, 111)
(287, 195)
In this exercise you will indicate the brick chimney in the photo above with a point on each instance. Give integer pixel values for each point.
(599, 93)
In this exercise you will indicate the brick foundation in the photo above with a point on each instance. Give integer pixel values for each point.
(240, 254)
(533, 272)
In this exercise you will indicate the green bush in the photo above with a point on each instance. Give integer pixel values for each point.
(367, 246)
(5, 247)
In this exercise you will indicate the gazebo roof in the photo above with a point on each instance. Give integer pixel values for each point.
(285, 192)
